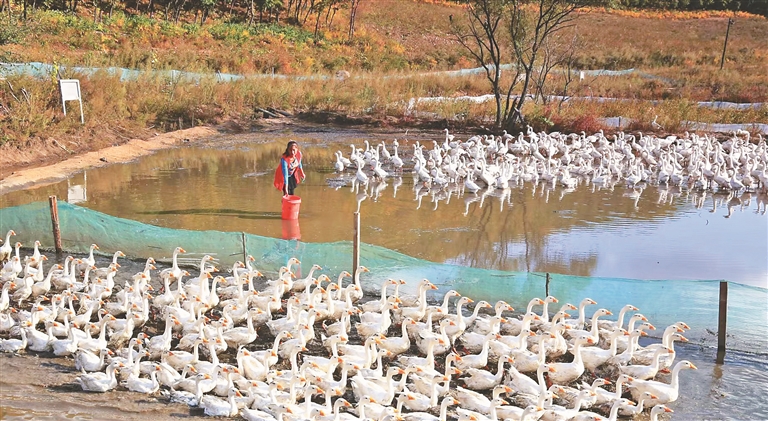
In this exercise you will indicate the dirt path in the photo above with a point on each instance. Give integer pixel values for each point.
(129, 151)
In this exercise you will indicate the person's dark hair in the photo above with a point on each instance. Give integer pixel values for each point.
(288, 147)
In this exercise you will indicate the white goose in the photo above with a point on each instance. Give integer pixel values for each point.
(658, 410)
(301, 284)
(66, 277)
(415, 401)
(524, 384)
(174, 270)
(579, 323)
(417, 309)
(98, 381)
(514, 413)
(357, 293)
(104, 271)
(277, 414)
(622, 343)
(12, 268)
(14, 345)
(568, 372)
(625, 357)
(605, 397)
(427, 362)
(482, 379)
(422, 380)
(593, 332)
(238, 336)
(64, 347)
(514, 326)
(217, 407)
(378, 305)
(483, 325)
(4, 298)
(608, 325)
(465, 415)
(645, 372)
(570, 393)
(474, 341)
(594, 356)
(42, 287)
(100, 342)
(664, 392)
(426, 416)
(527, 361)
(460, 324)
(144, 385)
(87, 361)
(398, 344)
(557, 412)
(89, 261)
(444, 306)
(439, 349)
(477, 360)
(6, 249)
(671, 333)
(478, 402)
(632, 410)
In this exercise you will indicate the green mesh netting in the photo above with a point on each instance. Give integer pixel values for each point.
(663, 301)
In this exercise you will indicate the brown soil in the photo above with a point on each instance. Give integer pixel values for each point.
(50, 167)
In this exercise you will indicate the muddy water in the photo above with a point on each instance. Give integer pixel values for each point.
(644, 233)
(224, 184)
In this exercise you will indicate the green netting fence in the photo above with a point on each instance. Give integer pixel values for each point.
(662, 301)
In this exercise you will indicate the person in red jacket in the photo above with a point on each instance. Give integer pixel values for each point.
(290, 172)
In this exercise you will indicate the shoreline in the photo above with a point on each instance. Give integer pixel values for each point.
(135, 148)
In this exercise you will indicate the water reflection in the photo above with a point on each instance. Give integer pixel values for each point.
(291, 229)
(77, 193)
(596, 229)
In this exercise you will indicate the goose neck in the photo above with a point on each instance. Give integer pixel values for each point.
(444, 408)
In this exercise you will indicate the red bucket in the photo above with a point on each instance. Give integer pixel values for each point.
(291, 205)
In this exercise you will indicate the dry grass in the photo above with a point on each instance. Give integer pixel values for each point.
(677, 57)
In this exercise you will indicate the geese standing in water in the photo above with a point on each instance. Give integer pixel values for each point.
(664, 392)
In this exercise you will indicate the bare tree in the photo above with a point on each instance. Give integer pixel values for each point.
(532, 28)
(480, 36)
(520, 33)
(353, 5)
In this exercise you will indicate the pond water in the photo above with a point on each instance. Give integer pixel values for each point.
(225, 184)
(644, 233)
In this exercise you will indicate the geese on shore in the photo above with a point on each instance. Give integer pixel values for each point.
(229, 369)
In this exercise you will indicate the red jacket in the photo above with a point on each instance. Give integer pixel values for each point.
(279, 182)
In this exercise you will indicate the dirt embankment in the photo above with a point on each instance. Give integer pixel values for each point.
(48, 172)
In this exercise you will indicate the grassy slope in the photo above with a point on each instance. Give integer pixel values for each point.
(393, 37)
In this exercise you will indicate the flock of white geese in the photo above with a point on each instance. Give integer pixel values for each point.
(317, 348)
(486, 164)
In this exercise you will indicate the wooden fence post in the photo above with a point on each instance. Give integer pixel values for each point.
(546, 289)
(55, 222)
(245, 249)
(356, 244)
(721, 322)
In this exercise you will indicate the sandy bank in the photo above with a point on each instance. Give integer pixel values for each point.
(126, 152)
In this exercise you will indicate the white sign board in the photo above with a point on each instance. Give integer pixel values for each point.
(70, 91)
